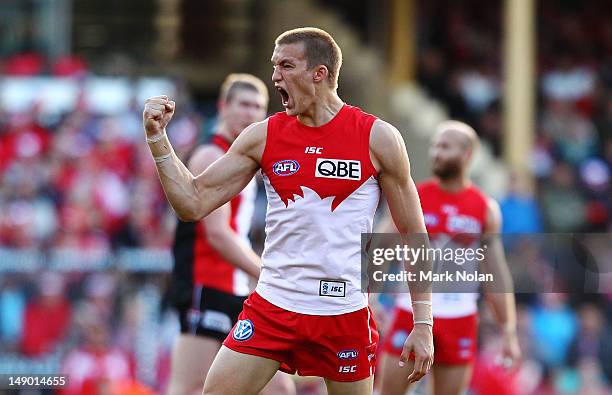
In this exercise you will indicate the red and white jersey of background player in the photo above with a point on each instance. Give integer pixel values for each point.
(210, 269)
(322, 193)
(450, 214)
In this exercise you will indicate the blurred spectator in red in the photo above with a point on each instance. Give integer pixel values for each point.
(490, 377)
(80, 226)
(23, 138)
(130, 387)
(96, 365)
(24, 64)
(70, 66)
(47, 317)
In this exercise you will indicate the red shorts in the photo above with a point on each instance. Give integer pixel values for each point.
(337, 347)
(454, 338)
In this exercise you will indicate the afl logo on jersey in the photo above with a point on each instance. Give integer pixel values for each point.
(243, 331)
(285, 167)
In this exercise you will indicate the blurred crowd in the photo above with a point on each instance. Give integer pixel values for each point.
(82, 184)
(566, 338)
(105, 330)
(86, 181)
(460, 65)
(83, 180)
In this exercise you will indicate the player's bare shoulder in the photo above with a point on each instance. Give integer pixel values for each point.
(386, 145)
(251, 141)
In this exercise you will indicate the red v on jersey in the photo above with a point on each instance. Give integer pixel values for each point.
(333, 160)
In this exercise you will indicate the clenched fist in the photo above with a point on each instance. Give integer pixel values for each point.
(158, 111)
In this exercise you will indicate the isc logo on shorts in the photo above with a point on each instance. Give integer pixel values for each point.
(347, 369)
(243, 331)
(332, 288)
(343, 169)
(285, 167)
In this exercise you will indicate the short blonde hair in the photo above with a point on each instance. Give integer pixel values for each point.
(319, 48)
(241, 81)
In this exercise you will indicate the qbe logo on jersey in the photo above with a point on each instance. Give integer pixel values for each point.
(243, 331)
(343, 169)
(285, 167)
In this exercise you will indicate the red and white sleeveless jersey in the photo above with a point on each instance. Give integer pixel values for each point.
(449, 214)
(322, 193)
(211, 269)
(197, 262)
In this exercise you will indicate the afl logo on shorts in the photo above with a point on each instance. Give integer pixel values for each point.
(348, 354)
(285, 167)
(243, 331)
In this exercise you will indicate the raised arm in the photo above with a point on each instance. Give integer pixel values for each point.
(194, 197)
(391, 160)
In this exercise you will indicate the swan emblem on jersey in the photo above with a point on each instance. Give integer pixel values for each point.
(326, 177)
(244, 330)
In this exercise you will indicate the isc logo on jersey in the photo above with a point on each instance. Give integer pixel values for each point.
(332, 288)
(243, 331)
(343, 169)
(285, 167)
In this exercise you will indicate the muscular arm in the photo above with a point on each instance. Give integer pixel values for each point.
(194, 197)
(219, 233)
(500, 293)
(391, 160)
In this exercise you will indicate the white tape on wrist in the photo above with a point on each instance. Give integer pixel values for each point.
(426, 322)
(427, 302)
(155, 139)
(160, 159)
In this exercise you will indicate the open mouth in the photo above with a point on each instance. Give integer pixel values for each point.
(284, 96)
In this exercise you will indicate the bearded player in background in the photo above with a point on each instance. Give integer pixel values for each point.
(453, 206)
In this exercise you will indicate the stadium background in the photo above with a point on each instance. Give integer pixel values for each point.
(84, 226)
